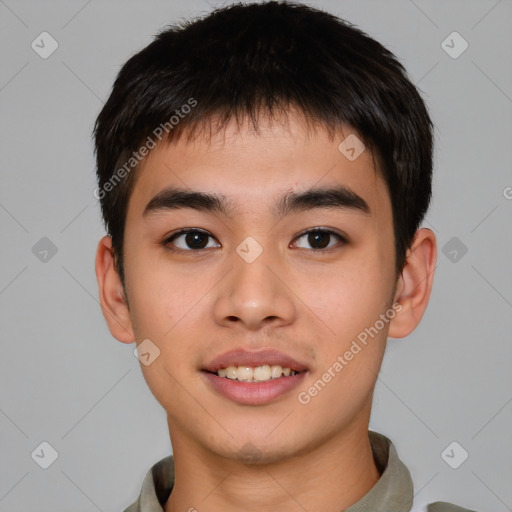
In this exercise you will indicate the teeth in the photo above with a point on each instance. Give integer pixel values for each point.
(258, 374)
(231, 372)
(244, 373)
(276, 371)
(262, 373)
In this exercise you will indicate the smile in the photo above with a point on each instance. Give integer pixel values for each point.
(254, 377)
(262, 373)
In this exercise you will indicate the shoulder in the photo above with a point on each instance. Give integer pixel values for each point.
(134, 507)
(441, 506)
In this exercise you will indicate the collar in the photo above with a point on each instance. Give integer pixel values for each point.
(393, 491)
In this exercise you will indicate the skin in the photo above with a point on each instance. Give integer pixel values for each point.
(307, 302)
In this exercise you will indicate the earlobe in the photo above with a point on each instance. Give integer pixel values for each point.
(113, 305)
(415, 284)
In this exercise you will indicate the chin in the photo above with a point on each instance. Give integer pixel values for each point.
(252, 453)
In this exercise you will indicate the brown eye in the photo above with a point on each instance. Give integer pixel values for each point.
(189, 240)
(320, 239)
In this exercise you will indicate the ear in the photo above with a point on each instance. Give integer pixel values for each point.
(112, 300)
(414, 284)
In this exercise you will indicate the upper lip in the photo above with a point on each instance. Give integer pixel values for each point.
(240, 357)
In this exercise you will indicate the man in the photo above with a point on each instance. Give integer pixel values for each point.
(263, 173)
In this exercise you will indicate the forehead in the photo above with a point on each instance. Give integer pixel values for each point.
(251, 168)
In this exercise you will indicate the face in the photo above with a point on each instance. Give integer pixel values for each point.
(288, 262)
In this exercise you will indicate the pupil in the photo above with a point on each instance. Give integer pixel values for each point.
(316, 237)
(195, 236)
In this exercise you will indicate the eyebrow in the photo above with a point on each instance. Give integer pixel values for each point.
(340, 197)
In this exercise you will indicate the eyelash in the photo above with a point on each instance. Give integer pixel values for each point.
(324, 231)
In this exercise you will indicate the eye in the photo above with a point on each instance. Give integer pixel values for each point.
(191, 240)
(320, 238)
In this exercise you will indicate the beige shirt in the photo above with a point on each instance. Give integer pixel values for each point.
(392, 493)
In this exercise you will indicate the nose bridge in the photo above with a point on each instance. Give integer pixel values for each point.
(253, 292)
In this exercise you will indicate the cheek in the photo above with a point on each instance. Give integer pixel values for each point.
(349, 297)
(149, 306)
(160, 295)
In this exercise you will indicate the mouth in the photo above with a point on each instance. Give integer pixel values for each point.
(263, 373)
(254, 378)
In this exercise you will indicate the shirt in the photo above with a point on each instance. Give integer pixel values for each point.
(393, 492)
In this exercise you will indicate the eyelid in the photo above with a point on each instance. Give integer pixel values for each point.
(169, 238)
(342, 237)
(323, 229)
(187, 230)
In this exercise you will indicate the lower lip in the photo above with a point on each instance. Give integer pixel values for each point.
(253, 393)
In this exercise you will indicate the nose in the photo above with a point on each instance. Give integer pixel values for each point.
(255, 294)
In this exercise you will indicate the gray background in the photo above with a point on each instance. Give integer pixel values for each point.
(66, 381)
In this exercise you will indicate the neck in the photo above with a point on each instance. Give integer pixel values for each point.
(331, 477)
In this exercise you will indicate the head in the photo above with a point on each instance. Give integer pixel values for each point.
(282, 117)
